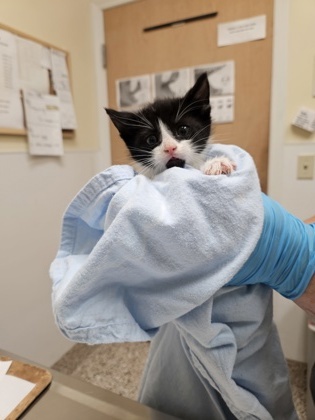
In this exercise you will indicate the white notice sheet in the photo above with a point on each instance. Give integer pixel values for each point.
(32, 74)
(11, 112)
(43, 124)
(244, 30)
(60, 76)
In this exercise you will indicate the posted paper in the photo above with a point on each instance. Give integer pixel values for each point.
(62, 88)
(240, 31)
(222, 109)
(43, 124)
(221, 76)
(305, 119)
(11, 111)
(171, 84)
(134, 92)
(32, 74)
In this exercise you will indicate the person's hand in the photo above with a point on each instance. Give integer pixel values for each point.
(310, 220)
(284, 257)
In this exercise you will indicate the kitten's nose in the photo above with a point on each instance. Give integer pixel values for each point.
(170, 150)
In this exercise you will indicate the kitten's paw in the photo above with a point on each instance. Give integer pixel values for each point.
(220, 165)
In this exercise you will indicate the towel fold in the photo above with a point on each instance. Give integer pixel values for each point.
(138, 254)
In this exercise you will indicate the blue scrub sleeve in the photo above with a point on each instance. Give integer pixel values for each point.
(284, 257)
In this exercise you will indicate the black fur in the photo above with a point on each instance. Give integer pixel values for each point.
(184, 117)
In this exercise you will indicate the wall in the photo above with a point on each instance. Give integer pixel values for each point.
(293, 77)
(35, 191)
(34, 194)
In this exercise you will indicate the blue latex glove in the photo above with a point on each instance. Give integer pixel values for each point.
(284, 257)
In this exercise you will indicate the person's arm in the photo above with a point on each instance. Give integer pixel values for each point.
(284, 257)
(307, 300)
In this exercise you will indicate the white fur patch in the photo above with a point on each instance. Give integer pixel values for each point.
(170, 147)
(219, 165)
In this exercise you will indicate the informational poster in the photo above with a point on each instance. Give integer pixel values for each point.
(60, 76)
(11, 111)
(32, 74)
(222, 109)
(43, 124)
(305, 119)
(170, 84)
(136, 92)
(221, 78)
(240, 31)
(35, 93)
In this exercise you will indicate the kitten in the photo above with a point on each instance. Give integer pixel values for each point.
(171, 132)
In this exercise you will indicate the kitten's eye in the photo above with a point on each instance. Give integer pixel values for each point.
(183, 131)
(152, 140)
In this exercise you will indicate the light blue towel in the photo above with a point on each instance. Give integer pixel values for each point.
(137, 254)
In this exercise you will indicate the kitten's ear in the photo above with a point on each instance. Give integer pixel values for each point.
(200, 92)
(121, 120)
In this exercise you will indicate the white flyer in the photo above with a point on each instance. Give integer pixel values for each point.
(61, 82)
(43, 124)
(11, 112)
(305, 119)
(32, 74)
(221, 76)
(240, 31)
(171, 84)
(222, 109)
(133, 92)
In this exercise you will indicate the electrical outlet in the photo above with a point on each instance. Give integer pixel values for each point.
(305, 167)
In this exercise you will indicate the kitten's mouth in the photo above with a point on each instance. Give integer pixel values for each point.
(175, 162)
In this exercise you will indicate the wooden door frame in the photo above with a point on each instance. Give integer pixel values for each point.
(278, 87)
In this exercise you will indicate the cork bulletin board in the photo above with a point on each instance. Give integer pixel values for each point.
(28, 63)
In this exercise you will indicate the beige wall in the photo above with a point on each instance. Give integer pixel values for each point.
(35, 191)
(67, 25)
(293, 80)
(301, 66)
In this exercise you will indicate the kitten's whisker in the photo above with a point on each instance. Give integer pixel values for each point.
(147, 168)
(180, 113)
(134, 122)
(201, 140)
(200, 144)
(143, 153)
(136, 149)
(145, 120)
(199, 131)
(220, 138)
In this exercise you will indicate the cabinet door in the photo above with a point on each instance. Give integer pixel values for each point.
(131, 51)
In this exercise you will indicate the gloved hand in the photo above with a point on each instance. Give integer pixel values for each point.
(284, 257)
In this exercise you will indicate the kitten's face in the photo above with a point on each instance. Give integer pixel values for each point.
(169, 132)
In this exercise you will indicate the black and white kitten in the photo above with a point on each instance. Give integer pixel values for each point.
(171, 132)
